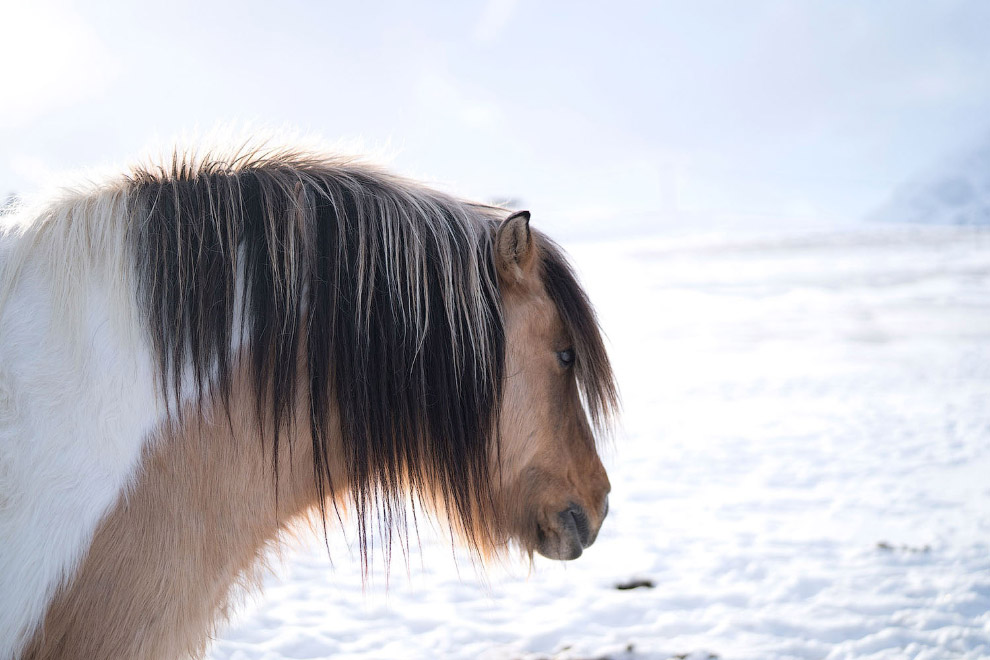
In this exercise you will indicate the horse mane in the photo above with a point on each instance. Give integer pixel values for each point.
(360, 301)
(362, 292)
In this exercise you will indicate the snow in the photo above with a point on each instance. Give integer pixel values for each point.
(802, 472)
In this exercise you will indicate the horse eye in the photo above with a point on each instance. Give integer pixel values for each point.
(566, 357)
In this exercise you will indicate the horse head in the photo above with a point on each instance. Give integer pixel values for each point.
(552, 485)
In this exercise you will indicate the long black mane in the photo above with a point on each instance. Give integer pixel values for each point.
(364, 293)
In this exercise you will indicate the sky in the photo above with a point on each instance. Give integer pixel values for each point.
(598, 117)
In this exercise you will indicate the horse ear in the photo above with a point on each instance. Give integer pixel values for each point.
(514, 251)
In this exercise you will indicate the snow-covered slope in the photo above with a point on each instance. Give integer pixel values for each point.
(804, 472)
(956, 193)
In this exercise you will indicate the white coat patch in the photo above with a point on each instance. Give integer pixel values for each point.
(77, 402)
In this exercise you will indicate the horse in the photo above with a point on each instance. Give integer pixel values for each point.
(199, 352)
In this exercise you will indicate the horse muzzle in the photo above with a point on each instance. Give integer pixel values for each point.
(568, 533)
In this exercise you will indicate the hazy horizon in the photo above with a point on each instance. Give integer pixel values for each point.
(761, 113)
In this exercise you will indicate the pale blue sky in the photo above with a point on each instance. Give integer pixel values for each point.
(593, 114)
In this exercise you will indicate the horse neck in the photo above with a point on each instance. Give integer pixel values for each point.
(165, 562)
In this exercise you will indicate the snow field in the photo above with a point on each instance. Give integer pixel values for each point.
(803, 471)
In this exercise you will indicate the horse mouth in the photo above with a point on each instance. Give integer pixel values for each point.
(566, 535)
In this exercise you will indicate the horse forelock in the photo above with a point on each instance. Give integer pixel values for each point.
(596, 380)
(348, 291)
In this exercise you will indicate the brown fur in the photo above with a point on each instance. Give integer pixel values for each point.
(165, 561)
(548, 450)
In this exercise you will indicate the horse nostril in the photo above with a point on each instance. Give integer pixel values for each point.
(575, 518)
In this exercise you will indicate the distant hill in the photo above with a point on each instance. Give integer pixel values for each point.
(957, 193)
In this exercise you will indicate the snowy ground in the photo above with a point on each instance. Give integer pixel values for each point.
(803, 472)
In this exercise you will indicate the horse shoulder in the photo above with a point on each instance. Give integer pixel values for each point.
(73, 421)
